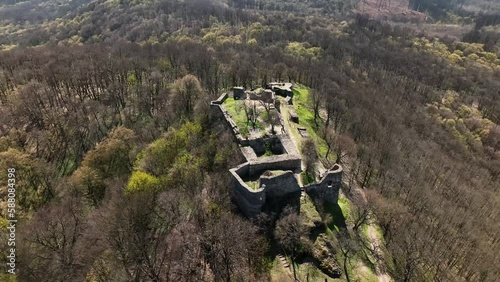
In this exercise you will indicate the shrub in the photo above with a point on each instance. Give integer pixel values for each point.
(142, 181)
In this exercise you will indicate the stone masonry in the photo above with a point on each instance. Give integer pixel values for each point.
(274, 189)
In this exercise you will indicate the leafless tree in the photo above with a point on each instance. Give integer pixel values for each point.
(56, 245)
(310, 156)
(289, 233)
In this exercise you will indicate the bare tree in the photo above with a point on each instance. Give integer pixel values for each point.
(289, 232)
(348, 249)
(329, 136)
(231, 248)
(344, 146)
(361, 211)
(149, 236)
(272, 115)
(310, 156)
(55, 244)
(316, 100)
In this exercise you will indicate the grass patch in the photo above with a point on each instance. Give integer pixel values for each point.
(340, 213)
(356, 267)
(338, 219)
(68, 166)
(268, 152)
(362, 272)
(306, 178)
(380, 236)
(235, 109)
(346, 206)
(237, 112)
(308, 210)
(302, 102)
(378, 232)
(309, 272)
(253, 184)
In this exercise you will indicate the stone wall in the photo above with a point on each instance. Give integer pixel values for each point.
(239, 93)
(280, 190)
(221, 99)
(278, 162)
(327, 189)
(279, 185)
(288, 146)
(250, 201)
(259, 145)
(266, 96)
(281, 88)
(219, 111)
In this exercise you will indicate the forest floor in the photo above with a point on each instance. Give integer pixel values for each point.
(373, 236)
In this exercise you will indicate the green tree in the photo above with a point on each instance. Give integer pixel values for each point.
(142, 181)
(109, 159)
(310, 156)
(34, 178)
(185, 92)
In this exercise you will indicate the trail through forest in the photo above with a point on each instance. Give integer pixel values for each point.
(373, 236)
(375, 245)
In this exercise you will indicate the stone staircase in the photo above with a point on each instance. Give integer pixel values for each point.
(283, 261)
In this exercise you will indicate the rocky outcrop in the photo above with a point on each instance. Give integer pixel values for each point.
(324, 253)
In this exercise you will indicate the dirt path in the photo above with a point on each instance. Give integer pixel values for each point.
(373, 236)
(286, 266)
(375, 245)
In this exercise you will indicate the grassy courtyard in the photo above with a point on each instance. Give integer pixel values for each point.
(236, 109)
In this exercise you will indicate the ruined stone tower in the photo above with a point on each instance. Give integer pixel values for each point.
(327, 189)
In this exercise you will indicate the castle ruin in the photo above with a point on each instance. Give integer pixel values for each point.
(268, 179)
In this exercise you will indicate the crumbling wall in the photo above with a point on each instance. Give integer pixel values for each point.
(288, 146)
(259, 145)
(327, 190)
(278, 162)
(281, 88)
(219, 111)
(239, 93)
(281, 191)
(250, 201)
(279, 185)
(221, 99)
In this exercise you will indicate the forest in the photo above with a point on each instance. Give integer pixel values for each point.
(120, 175)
